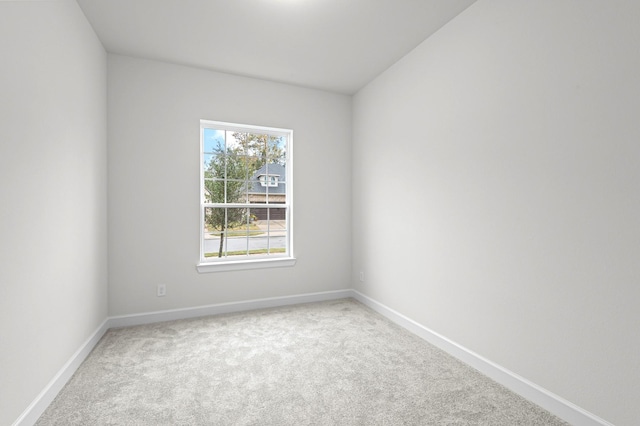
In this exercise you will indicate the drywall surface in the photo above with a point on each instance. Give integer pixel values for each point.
(496, 195)
(53, 186)
(154, 112)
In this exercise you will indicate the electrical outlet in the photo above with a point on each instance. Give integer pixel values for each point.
(162, 290)
(361, 276)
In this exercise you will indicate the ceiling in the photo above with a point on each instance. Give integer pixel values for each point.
(334, 45)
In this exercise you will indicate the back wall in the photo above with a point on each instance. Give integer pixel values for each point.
(154, 112)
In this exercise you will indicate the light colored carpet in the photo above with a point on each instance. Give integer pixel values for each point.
(330, 363)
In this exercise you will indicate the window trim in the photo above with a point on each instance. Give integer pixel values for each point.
(287, 259)
(244, 265)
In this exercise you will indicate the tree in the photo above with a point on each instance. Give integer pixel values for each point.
(260, 149)
(226, 173)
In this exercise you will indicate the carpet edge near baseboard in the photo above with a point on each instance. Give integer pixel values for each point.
(551, 402)
(31, 414)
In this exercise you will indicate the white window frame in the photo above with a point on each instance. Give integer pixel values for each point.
(254, 261)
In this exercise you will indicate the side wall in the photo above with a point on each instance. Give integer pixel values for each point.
(497, 193)
(154, 117)
(53, 245)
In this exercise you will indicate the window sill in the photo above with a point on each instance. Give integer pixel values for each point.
(240, 265)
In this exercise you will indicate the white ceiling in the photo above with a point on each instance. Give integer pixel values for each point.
(335, 45)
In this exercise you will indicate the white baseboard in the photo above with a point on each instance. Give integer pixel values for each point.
(31, 414)
(556, 405)
(225, 308)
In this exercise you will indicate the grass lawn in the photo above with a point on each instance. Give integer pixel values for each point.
(238, 232)
(243, 252)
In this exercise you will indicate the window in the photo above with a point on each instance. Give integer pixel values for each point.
(245, 197)
(268, 180)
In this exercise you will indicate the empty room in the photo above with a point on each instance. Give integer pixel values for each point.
(319, 212)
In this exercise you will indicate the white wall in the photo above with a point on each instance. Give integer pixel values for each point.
(154, 110)
(53, 245)
(497, 193)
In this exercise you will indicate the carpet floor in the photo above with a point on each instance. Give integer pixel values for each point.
(329, 363)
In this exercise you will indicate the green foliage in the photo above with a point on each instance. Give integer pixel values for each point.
(260, 149)
(218, 190)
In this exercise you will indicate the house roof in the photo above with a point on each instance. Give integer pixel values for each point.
(271, 170)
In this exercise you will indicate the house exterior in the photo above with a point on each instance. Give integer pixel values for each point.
(268, 185)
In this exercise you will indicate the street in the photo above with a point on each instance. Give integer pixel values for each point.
(212, 245)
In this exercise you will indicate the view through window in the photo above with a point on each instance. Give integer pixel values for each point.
(245, 192)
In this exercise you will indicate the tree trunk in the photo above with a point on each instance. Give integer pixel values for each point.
(221, 242)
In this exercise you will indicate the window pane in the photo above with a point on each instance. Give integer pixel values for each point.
(277, 149)
(214, 165)
(234, 144)
(277, 218)
(277, 194)
(226, 232)
(278, 244)
(211, 217)
(253, 165)
(237, 232)
(244, 193)
(276, 170)
(206, 162)
(213, 191)
(256, 145)
(258, 215)
(214, 220)
(256, 192)
(257, 237)
(213, 140)
(235, 166)
(268, 236)
(236, 218)
(236, 192)
(277, 225)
